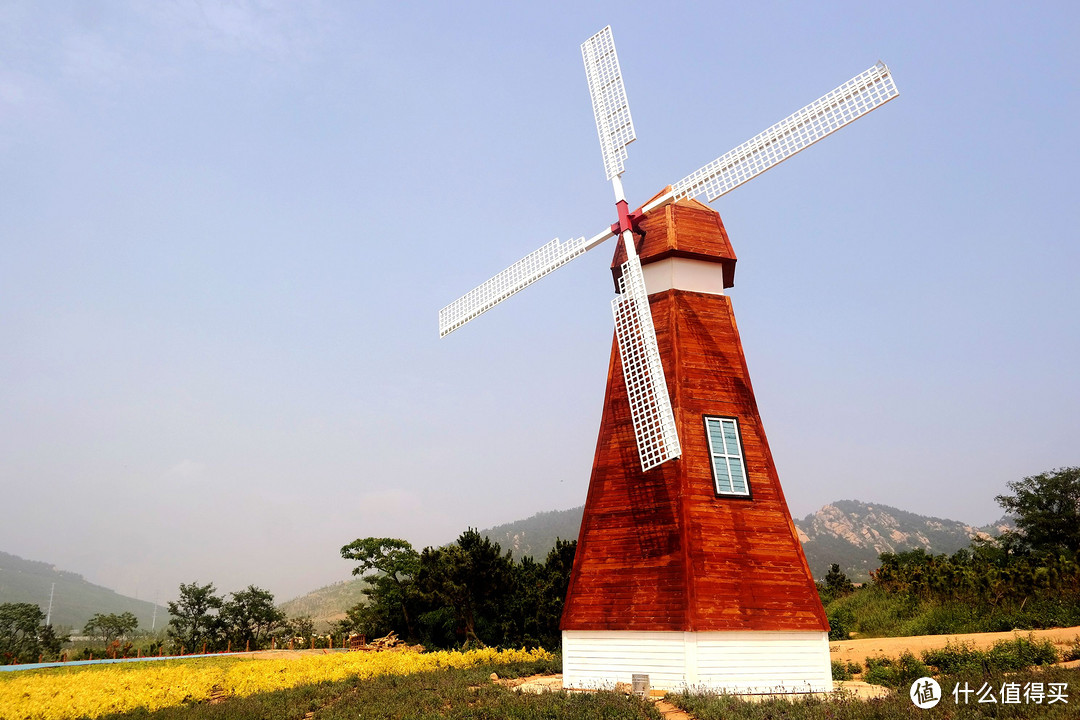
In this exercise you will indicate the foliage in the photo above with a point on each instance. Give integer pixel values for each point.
(895, 673)
(24, 637)
(837, 583)
(1005, 655)
(389, 565)
(248, 617)
(840, 671)
(92, 691)
(109, 627)
(470, 577)
(870, 611)
(465, 594)
(1047, 511)
(192, 623)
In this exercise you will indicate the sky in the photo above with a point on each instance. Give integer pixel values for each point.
(226, 229)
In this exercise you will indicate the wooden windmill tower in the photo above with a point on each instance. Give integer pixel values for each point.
(688, 567)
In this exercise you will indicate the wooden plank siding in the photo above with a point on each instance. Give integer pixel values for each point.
(734, 662)
(660, 551)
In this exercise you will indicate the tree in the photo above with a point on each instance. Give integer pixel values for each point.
(192, 622)
(112, 626)
(472, 578)
(250, 616)
(837, 583)
(1047, 511)
(23, 635)
(389, 566)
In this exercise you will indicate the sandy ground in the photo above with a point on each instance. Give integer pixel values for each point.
(859, 650)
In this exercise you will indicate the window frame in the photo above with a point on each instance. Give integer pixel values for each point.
(714, 456)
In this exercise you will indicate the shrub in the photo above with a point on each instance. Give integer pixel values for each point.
(840, 671)
(840, 624)
(896, 674)
(1021, 653)
(1073, 653)
(954, 658)
(945, 619)
(1005, 656)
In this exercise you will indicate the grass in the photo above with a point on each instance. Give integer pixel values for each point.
(1005, 655)
(467, 693)
(873, 612)
(897, 706)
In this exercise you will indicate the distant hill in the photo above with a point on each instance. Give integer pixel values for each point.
(326, 605)
(535, 536)
(74, 601)
(853, 533)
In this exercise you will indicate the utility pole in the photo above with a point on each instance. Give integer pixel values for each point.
(48, 615)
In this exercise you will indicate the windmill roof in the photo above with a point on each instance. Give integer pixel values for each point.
(686, 228)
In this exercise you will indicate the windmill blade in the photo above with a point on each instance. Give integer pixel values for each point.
(646, 387)
(855, 98)
(517, 277)
(613, 122)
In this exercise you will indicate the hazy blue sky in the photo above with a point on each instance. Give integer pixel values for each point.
(226, 229)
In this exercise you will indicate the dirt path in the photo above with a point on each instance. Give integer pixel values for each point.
(859, 650)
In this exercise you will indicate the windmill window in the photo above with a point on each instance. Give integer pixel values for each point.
(725, 450)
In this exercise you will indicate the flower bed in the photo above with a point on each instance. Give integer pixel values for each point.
(58, 694)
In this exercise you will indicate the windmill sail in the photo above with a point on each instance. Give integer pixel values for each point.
(513, 279)
(612, 111)
(650, 406)
(861, 94)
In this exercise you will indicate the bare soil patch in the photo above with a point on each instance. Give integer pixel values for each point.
(862, 648)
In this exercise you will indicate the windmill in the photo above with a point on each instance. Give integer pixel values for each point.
(688, 569)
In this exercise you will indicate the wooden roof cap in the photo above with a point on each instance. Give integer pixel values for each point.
(685, 228)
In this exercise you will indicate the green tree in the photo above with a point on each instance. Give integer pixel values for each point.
(249, 616)
(837, 583)
(1047, 511)
(194, 618)
(539, 591)
(389, 566)
(23, 635)
(472, 578)
(111, 626)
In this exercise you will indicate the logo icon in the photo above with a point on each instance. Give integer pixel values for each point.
(925, 693)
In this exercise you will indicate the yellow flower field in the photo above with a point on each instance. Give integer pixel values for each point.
(90, 691)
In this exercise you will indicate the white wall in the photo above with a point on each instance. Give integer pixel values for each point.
(737, 662)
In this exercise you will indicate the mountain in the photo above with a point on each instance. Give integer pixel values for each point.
(74, 599)
(535, 536)
(853, 533)
(326, 605)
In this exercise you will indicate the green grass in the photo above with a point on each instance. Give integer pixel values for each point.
(896, 707)
(873, 612)
(422, 696)
(1005, 655)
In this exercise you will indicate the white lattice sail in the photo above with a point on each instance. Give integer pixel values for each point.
(517, 277)
(646, 387)
(864, 92)
(612, 111)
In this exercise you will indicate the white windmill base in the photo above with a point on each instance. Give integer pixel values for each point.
(736, 662)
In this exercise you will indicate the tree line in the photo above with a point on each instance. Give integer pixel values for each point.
(464, 594)
(245, 620)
